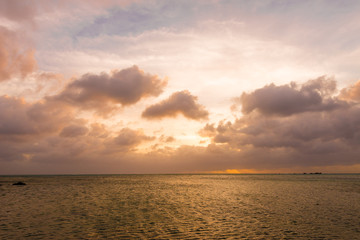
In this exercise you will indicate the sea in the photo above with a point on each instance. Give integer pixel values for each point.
(182, 206)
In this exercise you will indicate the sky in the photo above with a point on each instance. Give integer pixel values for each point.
(206, 86)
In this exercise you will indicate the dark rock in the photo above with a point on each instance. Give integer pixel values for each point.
(19, 183)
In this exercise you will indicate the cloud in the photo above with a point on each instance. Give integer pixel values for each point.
(314, 95)
(141, 16)
(179, 102)
(351, 93)
(16, 10)
(166, 139)
(73, 131)
(15, 58)
(277, 131)
(17, 55)
(47, 133)
(20, 119)
(130, 138)
(100, 92)
(21, 11)
(298, 131)
(98, 130)
(26, 128)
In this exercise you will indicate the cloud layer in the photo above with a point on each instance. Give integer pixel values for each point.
(292, 126)
(267, 138)
(62, 109)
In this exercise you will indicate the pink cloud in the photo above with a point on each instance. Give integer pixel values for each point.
(15, 58)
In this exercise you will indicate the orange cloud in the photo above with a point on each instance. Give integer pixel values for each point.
(351, 93)
(15, 58)
(179, 102)
(166, 139)
(98, 130)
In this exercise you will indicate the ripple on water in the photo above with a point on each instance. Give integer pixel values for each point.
(181, 207)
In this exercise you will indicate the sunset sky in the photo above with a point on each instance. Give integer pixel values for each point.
(207, 86)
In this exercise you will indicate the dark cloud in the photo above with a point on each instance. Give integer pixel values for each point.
(129, 138)
(68, 142)
(29, 130)
(125, 87)
(298, 131)
(314, 95)
(17, 10)
(19, 118)
(47, 135)
(73, 131)
(179, 102)
(16, 59)
(292, 127)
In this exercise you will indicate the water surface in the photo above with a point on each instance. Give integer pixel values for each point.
(181, 207)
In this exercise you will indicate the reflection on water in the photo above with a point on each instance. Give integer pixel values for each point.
(181, 207)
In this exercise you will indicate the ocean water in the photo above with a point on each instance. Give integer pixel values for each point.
(181, 207)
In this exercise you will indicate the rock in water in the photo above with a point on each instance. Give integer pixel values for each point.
(19, 183)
